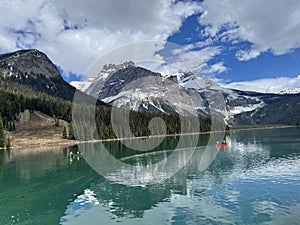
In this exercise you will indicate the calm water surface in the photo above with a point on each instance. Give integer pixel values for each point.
(255, 180)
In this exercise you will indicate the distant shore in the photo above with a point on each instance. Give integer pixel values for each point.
(255, 127)
(260, 127)
(40, 133)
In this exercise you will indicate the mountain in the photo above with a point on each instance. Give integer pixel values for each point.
(132, 87)
(279, 109)
(136, 88)
(35, 70)
(107, 70)
(139, 89)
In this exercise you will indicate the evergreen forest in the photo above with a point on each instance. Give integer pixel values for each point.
(15, 98)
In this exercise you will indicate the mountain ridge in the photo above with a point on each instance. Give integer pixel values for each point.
(114, 90)
(129, 86)
(206, 94)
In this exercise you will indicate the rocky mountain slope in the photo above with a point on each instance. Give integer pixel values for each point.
(35, 70)
(279, 109)
(130, 86)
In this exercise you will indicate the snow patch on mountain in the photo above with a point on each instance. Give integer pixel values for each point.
(251, 107)
(103, 75)
(135, 88)
(290, 91)
(190, 80)
(82, 85)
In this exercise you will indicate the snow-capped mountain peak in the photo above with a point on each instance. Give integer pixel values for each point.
(107, 70)
(290, 91)
(192, 81)
(110, 68)
(139, 89)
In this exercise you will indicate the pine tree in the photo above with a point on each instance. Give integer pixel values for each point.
(14, 125)
(64, 134)
(10, 126)
(71, 132)
(2, 135)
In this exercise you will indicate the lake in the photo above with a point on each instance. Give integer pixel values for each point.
(254, 180)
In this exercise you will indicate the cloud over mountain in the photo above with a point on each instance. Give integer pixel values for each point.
(213, 36)
(270, 85)
(75, 33)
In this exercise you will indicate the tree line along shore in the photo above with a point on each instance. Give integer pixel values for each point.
(16, 99)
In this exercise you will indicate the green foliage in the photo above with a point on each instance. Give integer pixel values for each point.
(11, 126)
(15, 98)
(2, 135)
(71, 132)
(64, 134)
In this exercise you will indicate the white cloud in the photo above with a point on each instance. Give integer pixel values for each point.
(146, 59)
(271, 85)
(243, 55)
(74, 33)
(269, 25)
(159, 17)
(191, 58)
(218, 68)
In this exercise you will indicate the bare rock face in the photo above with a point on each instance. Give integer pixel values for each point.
(139, 89)
(28, 63)
(35, 70)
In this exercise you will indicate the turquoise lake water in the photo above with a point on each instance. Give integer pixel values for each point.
(254, 180)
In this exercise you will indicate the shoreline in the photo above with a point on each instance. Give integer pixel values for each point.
(195, 133)
(262, 127)
(68, 143)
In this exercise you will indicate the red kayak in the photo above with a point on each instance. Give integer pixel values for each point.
(219, 145)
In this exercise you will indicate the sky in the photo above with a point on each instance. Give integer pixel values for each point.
(249, 45)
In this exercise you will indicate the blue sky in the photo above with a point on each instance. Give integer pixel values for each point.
(251, 45)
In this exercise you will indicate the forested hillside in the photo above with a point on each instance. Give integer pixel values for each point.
(15, 98)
